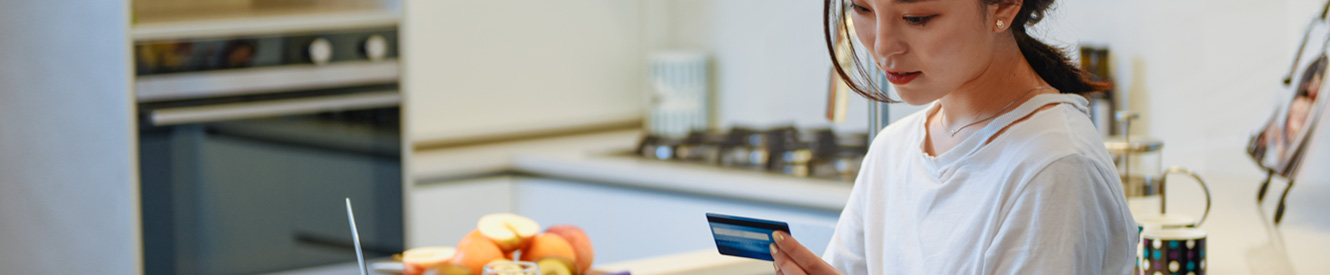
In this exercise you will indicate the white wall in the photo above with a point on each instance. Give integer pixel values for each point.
(484, 68)
(68, 179)
(770, 59)
(1204, 74)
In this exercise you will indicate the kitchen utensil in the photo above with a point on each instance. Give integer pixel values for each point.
(1138, 162)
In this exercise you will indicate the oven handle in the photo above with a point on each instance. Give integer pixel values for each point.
(270, 108)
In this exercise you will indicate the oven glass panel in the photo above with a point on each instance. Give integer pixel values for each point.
(262, 195)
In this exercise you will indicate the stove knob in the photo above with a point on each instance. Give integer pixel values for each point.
(320, 51)
(375, 47)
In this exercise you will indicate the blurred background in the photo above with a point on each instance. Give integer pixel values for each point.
(219, 136)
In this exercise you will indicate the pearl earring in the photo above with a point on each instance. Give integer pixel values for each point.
(1001, 25)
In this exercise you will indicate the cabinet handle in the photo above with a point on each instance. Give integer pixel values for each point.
(270, 108)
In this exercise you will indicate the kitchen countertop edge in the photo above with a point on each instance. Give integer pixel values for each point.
(603, 158)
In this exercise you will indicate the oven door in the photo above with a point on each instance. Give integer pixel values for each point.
(256, 184)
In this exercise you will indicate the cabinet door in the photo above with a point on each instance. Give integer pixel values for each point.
(440, 213)
(631, 223)
(483, 68)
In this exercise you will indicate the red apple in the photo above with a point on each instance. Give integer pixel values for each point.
(580, 242)
(547, 245)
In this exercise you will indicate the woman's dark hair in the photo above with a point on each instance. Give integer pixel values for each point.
(1048, 61)
(1316, 68)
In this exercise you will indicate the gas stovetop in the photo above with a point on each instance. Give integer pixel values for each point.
(819, 153)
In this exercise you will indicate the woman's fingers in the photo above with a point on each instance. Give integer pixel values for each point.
(783, 264)
(795, 252)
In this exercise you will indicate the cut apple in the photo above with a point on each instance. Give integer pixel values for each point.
(580, 242)
(452, 269)
(548, 245)
(509, 231)
(556, 265)
(417, 260)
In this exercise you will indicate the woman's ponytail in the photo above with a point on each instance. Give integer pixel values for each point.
(1049, 62)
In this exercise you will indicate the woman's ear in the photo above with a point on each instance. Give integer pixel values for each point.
(1003, 13)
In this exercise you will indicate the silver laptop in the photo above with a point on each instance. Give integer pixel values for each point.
(355, 236)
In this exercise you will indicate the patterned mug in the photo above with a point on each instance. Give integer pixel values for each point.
(1173, 251)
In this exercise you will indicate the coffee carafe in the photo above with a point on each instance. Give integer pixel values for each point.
(1140, 167)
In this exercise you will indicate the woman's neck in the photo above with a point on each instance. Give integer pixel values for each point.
(1007, 79)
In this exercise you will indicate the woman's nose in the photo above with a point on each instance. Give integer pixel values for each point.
(887, 42)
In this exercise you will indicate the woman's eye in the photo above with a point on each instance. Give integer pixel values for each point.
(918, 20)
(858, 8)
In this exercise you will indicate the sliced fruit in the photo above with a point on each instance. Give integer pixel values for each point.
(452, 269)
(510, 231)
(580, 242)
(548, 245)
(417, 260)
(504, 267)
(555, 265)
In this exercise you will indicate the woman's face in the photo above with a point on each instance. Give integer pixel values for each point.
(928, 47)
(1314, 86)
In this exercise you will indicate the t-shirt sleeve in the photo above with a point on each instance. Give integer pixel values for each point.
(1067, 219)
(845, 251)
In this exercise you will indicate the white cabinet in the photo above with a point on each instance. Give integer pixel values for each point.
(474, 69)
(440, 213)
(624, 223)
(69, 200)
(627, 223)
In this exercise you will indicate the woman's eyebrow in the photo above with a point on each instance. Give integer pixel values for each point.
(910, 1)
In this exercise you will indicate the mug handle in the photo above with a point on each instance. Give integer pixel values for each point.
(1163, 197)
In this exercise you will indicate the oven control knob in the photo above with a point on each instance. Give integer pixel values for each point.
(375, 47)
(320, 51)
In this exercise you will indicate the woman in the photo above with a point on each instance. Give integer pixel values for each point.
(1003, 174)
(1300, 108)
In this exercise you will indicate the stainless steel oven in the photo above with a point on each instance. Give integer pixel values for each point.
(249, 143)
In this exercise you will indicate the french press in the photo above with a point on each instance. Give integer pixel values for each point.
(1138, 161)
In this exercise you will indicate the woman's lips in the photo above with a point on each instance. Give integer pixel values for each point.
(901, 78)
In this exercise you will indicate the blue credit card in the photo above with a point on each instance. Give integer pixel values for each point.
(744, 237)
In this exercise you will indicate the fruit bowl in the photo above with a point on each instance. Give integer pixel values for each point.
(501, 237)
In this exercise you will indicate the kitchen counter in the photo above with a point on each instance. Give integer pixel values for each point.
(1242, 239)
(702, 262)
(605, 158)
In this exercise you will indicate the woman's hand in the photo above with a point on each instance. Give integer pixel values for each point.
(793, 258)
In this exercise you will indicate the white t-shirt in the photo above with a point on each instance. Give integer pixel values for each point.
(1042, 198)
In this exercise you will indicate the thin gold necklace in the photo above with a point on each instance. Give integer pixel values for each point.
(943, 119)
